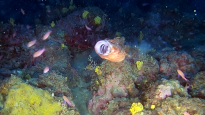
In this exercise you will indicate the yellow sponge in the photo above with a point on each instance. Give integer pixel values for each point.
(85, 13)
(139, 65)
(152, 107)
(23, 99)
(97, 20)
(136, 107)
(98, 71)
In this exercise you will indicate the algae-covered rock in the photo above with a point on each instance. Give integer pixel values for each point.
(198, 85)
(117, 83)
(179, 105)
(8, 83)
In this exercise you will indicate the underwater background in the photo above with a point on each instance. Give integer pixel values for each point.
(102, 57)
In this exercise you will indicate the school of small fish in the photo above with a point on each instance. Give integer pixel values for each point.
(45, 37)
(41, 51)
(46, 69)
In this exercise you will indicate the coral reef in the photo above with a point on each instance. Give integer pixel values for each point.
(179, 105)
(161, 38)
(198, 85)
(115, 84)
(119, 106)
(17, 98)
(149, 68)
(170, 61)
(57, 84)
(159, 91)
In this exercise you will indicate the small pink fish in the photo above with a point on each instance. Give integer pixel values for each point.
(66, 100)
(22, 11)
(31, 43)
(38, 53)
(47, 35)
(88, 28)
(46, 69)
(182, 75)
